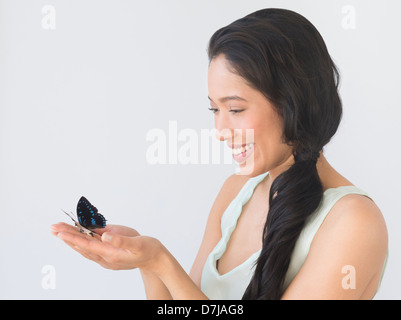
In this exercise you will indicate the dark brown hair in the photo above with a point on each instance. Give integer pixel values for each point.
(281, 54)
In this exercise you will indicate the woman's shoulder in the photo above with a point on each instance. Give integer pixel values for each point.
(234, 183)
(354, 231)
(229, 190)
(357, 213)
(352, 235)
(353, 208)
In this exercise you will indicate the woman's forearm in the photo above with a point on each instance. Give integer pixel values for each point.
(176, 280)
(154, 287)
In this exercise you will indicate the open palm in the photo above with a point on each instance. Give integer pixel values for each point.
(114, 247)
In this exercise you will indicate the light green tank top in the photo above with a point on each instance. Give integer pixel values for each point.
(232, 285)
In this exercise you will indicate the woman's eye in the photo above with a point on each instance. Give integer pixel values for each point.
(214, 110)
(236, 111)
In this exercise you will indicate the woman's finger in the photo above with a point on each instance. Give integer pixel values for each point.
(117, 229)
(64, 227)
(120, 241)
(90, 256)
(117, 255)
(92, 246)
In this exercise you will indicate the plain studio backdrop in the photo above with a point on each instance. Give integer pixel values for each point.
(88, 87)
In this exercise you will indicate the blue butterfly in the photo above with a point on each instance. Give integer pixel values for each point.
(88, 217)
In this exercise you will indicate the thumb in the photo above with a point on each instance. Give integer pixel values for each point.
(119, 241)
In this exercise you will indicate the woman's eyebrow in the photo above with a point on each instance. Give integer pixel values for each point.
(224, 99)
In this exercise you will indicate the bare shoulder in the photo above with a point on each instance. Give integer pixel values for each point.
(357, 214)
(353, 235)
(229, 190)
(234, 184)
(354, 226)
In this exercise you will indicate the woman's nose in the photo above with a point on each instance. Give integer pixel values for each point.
(235, 136)
(223, 128)
(223, 134)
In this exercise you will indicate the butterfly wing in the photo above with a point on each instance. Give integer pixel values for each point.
(88, 215)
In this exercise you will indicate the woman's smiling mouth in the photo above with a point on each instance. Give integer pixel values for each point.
(240, 154)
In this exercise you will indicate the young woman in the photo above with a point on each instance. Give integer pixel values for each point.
(293, 228)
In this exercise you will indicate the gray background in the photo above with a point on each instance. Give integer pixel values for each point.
(77, 102)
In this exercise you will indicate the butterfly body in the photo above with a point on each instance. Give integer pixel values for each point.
(88, 217)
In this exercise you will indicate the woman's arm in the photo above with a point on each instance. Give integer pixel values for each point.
(118, 252)
(157, 264)
(173, 276)
(121, 248)
(178, 282)
(346, 256)
(155, 289)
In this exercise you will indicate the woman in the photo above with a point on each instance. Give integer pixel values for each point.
(293, 227)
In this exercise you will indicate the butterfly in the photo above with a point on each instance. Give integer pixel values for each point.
(88, 217)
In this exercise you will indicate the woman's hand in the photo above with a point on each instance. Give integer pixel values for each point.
(114, 247)
(122, 248)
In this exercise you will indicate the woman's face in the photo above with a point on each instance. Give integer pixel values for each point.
(255, 126)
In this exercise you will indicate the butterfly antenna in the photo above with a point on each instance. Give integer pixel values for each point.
(80, 228)
(70, 215)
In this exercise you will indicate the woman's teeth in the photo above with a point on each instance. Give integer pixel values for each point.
(237, 151)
